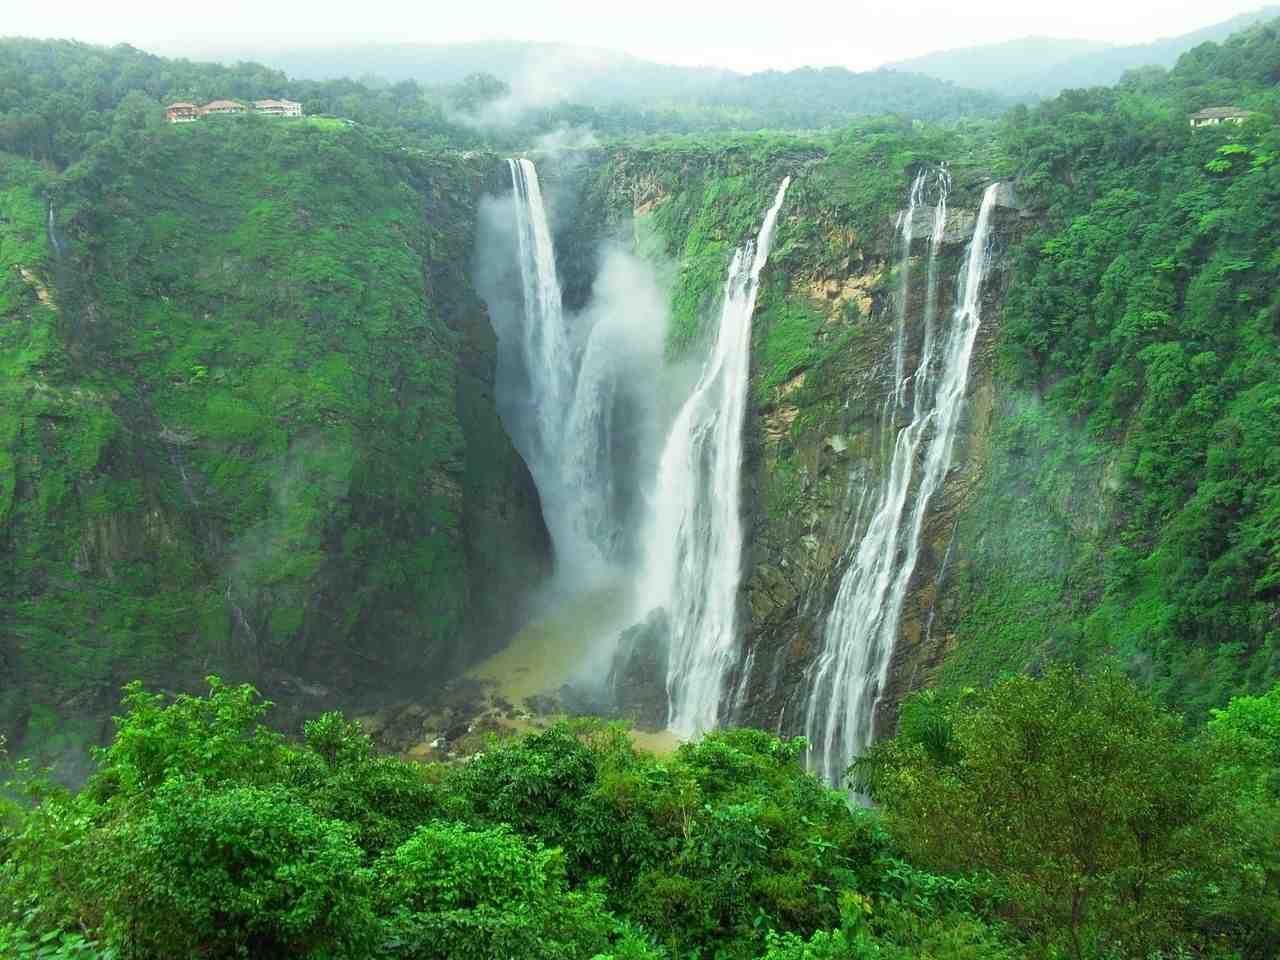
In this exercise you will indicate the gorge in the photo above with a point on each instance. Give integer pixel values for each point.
(685, 582)
(353, 465)
(763, 524)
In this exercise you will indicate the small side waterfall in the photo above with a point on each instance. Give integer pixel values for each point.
(906, 235)
(848, 679)
(54, 240)
(694, 555)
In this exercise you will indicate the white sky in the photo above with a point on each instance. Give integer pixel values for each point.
(740, 34)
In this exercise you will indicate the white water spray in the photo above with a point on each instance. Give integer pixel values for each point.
(694, 555)
(567, 409)
(54, 239)
(848, 679)
(546, 351)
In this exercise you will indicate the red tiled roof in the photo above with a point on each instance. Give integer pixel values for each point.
(182, 104)
(222, 104)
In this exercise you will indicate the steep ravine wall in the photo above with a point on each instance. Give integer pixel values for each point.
(248, 428)
(820, 439)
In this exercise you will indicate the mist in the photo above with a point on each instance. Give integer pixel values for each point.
(594, 458)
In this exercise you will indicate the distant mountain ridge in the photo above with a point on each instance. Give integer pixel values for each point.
(542, 75)
(1044, 66)
(992, 66)
(553, 71)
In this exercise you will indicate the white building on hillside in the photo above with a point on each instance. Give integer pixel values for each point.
(1212, 116)
(278, 108)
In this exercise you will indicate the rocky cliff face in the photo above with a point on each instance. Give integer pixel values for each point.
(822, 367)
(252, 427)
(820, 439)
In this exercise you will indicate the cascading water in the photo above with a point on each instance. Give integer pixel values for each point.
(54, 239)
(545, 348)
(694, 557)
(906, 234)
(564, 411)
(848, 679)
(588, 454)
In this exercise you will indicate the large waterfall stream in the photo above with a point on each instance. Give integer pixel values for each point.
(848, 679)
(694, 560)
(568, 396)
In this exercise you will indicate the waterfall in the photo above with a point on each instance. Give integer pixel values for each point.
(53, 233)
(565, 410)
(848, 679)
(588, 454)
(544, 343)
(906, 234)
(927, 353)
(694, 555)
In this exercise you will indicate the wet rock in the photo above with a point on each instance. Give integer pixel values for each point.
(541, 705)
(1007, 195)
(638, 678)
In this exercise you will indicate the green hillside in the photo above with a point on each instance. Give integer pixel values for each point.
(248, 430)
(244, 421)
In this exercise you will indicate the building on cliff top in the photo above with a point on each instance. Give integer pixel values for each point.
(221, 106)
(182, 112)
(278, 108)
(1212, 116)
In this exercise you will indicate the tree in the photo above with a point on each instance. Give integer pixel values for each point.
(1243, 741)
(1077, 793)
(458, 893)
(241, 871)
(477, 91)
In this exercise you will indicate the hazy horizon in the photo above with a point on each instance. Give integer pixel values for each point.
(859, 36)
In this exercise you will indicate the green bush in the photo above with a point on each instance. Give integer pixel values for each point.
(1105, 826)
(242, 871)
(457, 892)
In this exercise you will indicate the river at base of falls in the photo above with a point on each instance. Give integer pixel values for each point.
(562, 648)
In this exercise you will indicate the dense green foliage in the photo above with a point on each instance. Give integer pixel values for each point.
(1140, 358)
(201, 833)
(1044, 818)
(245, 421)
(59, 98)
(243, 384)
(1111, 832)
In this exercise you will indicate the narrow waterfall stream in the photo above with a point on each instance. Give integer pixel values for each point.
(847, 681)
(694, 559)
(52, 227)
(906, 235)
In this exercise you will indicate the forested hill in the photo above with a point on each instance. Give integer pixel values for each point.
(1044, 66)
(59, 97)
(1131, 508)
(247, 425)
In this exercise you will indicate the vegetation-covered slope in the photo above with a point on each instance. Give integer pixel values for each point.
(248, 420)
(1132, 503)
(203, 834)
